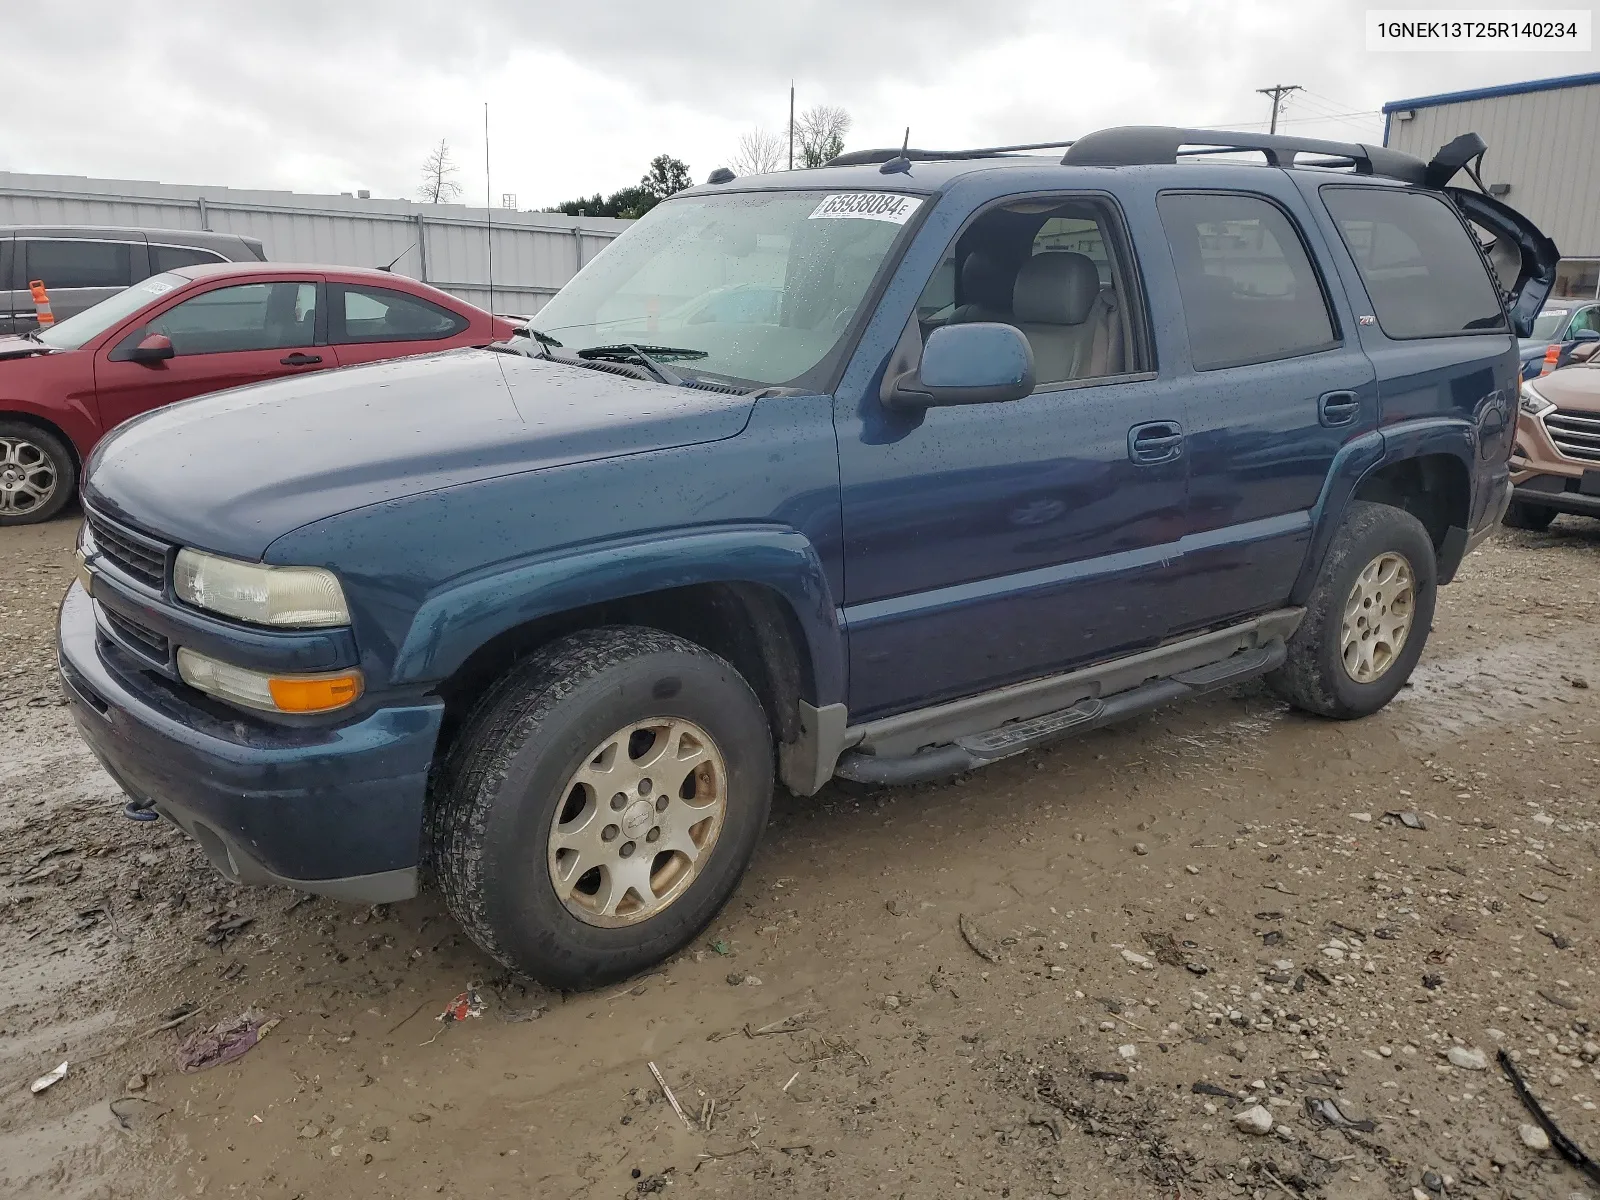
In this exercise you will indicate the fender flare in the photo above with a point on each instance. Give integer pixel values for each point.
(454, 621)
(1358, 460)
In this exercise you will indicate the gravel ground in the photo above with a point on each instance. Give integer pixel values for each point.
(1095, 970)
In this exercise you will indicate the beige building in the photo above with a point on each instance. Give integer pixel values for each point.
(1543, 159)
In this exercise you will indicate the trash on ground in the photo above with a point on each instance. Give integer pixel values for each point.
(1565, 1146)
(1203, 1088)
(468, 1004)
(50, 1080)
(977, 939)
(1329, 1112)
(224, 1041)
(671, 1099)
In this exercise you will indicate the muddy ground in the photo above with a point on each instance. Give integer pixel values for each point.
(912, 990)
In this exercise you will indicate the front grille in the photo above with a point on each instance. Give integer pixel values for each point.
(1577, 435)
(145, 559)
(147, 641)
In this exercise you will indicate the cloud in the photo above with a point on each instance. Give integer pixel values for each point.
(318, 96)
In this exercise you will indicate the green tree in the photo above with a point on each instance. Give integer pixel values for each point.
(666, 176)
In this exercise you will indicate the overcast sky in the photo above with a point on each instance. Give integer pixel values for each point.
(334, 95)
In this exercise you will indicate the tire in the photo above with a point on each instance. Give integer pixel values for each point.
(492, 831)
(1535, 517)
(29, 456)
(1315, 677)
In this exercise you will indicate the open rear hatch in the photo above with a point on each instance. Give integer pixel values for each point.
(1516, 249)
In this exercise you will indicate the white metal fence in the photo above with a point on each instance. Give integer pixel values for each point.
(446, 245)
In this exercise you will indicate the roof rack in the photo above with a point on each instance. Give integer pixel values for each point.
(861, 158)
(1145, 145)
(1142, 145)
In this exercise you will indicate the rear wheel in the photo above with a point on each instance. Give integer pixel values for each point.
(37, 474)
(1368, 617)
(601, 804)
(1535, 517)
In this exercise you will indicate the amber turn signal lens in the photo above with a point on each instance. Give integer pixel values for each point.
(315, 695)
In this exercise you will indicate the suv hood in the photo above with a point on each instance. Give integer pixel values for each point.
(232, 472)
(1576, 388)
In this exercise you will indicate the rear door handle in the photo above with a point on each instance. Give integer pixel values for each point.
(1338, 408)
(300, 360)
(1155, 442)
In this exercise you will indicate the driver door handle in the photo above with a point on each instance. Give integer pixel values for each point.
(300, 360)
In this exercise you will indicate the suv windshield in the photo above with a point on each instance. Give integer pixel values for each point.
(763, 285)
(1549, 324)
(92, 322)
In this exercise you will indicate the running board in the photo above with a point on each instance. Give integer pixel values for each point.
(980, 749)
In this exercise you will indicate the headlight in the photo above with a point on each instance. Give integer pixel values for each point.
(1534, 404)
(270, 693)
(286, 597)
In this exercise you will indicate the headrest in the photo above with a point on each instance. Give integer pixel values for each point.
(985, 282)
(1055, 288)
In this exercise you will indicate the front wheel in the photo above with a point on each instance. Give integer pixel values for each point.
(600, 804)
(37, 474)
(1535, 517)
(1368, 617)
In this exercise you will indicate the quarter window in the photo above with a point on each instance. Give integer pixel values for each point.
(166, 258)
(373, 314)
(1249, 291)
(250, 316)
(77, 264)
(1422, 270)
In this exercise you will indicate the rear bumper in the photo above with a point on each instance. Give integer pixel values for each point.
(336, 811)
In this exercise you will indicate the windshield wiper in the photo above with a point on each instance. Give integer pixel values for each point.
(544, 339)
(623, 351)
(628, 352)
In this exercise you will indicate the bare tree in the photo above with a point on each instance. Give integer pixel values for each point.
(819, 133)
(437, 185)
(759, 152)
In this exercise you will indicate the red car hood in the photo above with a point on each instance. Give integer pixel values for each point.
(18, 347)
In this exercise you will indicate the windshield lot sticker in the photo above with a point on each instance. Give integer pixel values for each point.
(868, 206)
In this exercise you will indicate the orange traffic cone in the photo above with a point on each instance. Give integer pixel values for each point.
(41, 303)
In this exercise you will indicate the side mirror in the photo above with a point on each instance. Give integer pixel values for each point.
(1584, 351)
(154, 348)
(981, 363)
(1586, 335)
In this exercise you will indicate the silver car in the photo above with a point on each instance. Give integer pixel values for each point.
(81, 265)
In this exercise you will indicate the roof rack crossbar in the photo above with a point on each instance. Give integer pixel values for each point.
(1145, 145)
(858, 158)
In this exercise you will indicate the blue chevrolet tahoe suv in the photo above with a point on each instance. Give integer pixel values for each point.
(1024, 445)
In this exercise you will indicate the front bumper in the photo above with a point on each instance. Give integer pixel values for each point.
(331, 810)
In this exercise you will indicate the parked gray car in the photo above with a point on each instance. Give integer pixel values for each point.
(82, 265)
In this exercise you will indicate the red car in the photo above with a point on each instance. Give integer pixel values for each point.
(193, 330)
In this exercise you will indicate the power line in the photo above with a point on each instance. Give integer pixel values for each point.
(1278, 91)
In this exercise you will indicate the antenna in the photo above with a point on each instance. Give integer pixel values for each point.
(488, 208)
(902, 164)
(398, 257)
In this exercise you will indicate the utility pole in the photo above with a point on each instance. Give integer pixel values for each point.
(1278, 91)
(791, 125)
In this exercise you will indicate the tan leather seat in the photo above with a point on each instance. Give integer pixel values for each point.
(1068, 318)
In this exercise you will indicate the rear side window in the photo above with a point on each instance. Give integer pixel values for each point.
(1423, 272)
(167, 258)
(77, 264)
(1249, 291)
(5, 264)
(373, 314)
